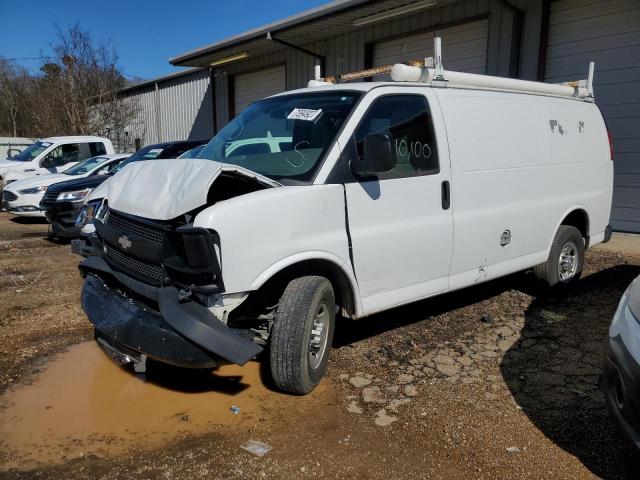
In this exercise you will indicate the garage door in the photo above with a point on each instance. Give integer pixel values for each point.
(464, 48)
(249, 87)
(609, 34)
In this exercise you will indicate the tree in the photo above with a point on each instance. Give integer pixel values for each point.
(76, 92)
(14, 84)
(79, 86)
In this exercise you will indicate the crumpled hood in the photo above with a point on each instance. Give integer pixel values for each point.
(166, 189)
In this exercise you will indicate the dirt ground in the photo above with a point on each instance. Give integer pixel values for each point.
(497, 381)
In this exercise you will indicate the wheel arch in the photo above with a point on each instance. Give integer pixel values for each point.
(576, 216)
(345, 287)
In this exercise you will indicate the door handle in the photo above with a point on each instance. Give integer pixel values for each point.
(446, 195)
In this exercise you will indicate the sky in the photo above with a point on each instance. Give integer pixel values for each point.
(145, 33)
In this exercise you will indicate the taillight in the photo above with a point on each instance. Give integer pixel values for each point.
(610, 143)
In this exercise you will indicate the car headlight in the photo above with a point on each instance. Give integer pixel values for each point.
(7, 182)
(75, 196)
(31, 191)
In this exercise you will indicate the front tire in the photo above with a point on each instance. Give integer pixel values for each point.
(566, 259)
(302, 333)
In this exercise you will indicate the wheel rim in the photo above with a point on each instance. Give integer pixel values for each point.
(568, 261)
(319, 335)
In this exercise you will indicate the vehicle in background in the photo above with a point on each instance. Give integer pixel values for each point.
(63, 201)
(193, 153)
(622, 364)
(379, 194)
(52, 155)
(23, 197)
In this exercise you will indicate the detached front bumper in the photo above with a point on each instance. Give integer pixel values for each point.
(184, 334)
(622, 372)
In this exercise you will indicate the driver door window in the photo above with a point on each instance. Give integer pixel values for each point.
(406, 118)
(63, 154)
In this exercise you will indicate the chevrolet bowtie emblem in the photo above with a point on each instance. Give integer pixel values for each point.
(124, 242)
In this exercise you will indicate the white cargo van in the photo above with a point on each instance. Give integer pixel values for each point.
(384, 193)
(52, 155)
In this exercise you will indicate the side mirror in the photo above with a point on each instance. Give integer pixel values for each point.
(378, 156)
(47, 162)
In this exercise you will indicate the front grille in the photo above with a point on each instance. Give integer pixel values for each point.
(145, 231)
(150, 273)
(8, 196)
(49, 197)
(153, 235)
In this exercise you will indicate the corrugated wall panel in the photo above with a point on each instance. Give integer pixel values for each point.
(250, 87)
(181, 108)
(347, 51)
(464, 48)
(609, 34)
(186, 108)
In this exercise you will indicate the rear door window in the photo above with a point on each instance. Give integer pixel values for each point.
(97, 148)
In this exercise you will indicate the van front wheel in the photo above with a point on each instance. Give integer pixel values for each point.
(301, 336)
(566, 259)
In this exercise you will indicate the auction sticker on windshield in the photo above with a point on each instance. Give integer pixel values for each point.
(306, 114)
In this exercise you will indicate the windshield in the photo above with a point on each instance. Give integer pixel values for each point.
(86, 166)
(283, 137)
(193, 153)
(31, 152)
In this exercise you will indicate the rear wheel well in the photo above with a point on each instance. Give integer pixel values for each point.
(269, 293)
(580, 220)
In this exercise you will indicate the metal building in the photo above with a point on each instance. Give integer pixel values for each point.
(528, 39)
(172, 107)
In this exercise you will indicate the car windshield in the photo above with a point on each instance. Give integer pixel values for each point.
(86, 166)
(31, 152)
(192, 153)
(284, 137)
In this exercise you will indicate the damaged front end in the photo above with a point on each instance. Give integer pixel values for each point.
(154, 288)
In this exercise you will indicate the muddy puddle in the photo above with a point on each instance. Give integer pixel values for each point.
(83, 404)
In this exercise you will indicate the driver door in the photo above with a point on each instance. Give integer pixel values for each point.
(400, 221)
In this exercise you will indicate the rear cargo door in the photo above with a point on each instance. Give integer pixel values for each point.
(400, 221)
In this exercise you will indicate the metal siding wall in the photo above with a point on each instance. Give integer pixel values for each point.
(186, 108)
(144, 125)
(609, 34)
(346, 52)
(250, 87)
(464, 48)
(180, 109)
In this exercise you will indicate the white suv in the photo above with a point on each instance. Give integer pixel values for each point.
(52, 155)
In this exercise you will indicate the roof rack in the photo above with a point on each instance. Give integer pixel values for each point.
(431, 71)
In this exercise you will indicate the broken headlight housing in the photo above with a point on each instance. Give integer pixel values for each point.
(94, 210)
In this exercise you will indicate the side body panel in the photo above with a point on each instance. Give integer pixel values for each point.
(520, 164)
(263, 232)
